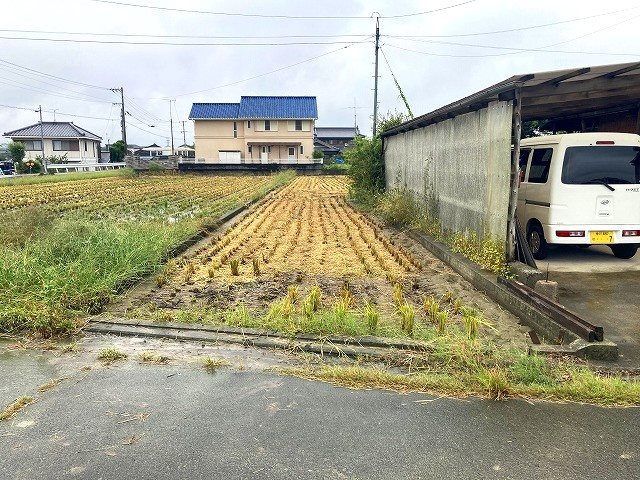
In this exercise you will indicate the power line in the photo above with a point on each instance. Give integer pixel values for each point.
(511, 30)
(47, 92)
(53, 76)
(32, 77)
(402, 96)
(259, 15)
(184, 44)
(265, 73)
(523, 49)
(147, 131)
(147, 35)
(507, 48)
(54, 111)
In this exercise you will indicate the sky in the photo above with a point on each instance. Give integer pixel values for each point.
(437, 56)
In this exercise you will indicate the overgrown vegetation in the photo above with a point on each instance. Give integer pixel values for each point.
(56, 268)
(460, 367)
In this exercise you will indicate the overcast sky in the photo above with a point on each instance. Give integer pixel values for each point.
(151, 74)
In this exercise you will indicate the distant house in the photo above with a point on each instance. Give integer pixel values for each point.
(256, 130)
(60, 139)
(186, 151)
(333, 140)
(150, 151)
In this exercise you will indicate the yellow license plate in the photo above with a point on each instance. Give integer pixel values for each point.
(601, 237)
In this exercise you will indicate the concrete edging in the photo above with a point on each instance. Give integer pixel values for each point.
(541, 323)
(371, 347)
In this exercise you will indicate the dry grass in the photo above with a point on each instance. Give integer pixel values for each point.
(16, 406)
(153, 357)
(45, 387)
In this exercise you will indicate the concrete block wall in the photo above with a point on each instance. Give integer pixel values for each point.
(460, 168)
(137, 163)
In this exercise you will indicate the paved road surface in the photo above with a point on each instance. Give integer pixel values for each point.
(602, 289)
(177, 422)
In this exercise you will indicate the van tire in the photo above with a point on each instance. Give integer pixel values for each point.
(624, 251)
(537, 243)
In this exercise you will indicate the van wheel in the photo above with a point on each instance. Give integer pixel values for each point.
(624, 251)
(537, 243)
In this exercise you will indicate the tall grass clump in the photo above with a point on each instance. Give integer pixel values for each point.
(75, 268)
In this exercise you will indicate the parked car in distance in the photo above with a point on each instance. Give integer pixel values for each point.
(581, 189)
(6, 168)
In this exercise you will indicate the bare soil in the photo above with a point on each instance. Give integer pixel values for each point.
(306, 234)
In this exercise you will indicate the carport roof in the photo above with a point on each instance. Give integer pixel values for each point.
(549, 95)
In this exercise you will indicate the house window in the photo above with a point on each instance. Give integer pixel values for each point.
(32, 145)
(66, 145)
(248, 123)
(250, 150)
(269, 149)
(267, 125)
(298, 126)
(235, 129)
(86, 147)
(292, 151)
(301, 150)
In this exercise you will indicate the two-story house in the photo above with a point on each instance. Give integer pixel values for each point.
(61, 140)
(256, 130)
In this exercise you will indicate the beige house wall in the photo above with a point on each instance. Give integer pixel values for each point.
(213, 136)
(91, 155)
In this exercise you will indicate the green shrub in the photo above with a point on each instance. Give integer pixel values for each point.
(398, 208)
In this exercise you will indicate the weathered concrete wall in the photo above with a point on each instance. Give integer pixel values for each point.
(459, 167)
(138, 163)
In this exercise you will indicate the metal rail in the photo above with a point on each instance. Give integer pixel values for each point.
(557, 312)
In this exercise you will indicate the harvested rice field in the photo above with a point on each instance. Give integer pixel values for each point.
(135, 198)
(304, 260)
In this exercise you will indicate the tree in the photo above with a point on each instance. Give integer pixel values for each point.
(16, 151)
(117, 151)
(366, 158)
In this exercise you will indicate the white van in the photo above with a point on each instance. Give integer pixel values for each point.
(581, 189)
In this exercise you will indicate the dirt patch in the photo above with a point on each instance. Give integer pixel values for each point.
(306, 235)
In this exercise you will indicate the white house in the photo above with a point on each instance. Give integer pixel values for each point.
(60, 139)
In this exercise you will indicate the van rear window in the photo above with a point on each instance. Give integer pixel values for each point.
(597, 164)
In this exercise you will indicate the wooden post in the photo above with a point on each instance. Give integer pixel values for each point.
(515, 165)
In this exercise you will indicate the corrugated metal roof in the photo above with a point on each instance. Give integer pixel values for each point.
(336, 132)
(214, 111)
(53, 130)
(547, 95)
(251, 108)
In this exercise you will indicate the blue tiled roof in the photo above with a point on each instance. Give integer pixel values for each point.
(278, 107)
(257, 108)
(214, 110)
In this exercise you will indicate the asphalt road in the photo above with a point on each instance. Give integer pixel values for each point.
(178, 422)
(602, 289)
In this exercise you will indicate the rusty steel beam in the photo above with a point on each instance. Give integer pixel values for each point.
(557, 312)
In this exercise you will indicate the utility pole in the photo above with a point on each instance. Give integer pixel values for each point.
(123, 122)
(44, 160)
(375, 85)
(171, 123)
(184, 135)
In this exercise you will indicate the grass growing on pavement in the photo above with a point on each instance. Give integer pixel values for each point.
(211, 365)
(153, 357)
(461, 372)
(15, 407)
(111, 354)
(45, 387)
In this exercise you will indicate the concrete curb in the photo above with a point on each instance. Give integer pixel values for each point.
(371, 347)
(541, 323)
